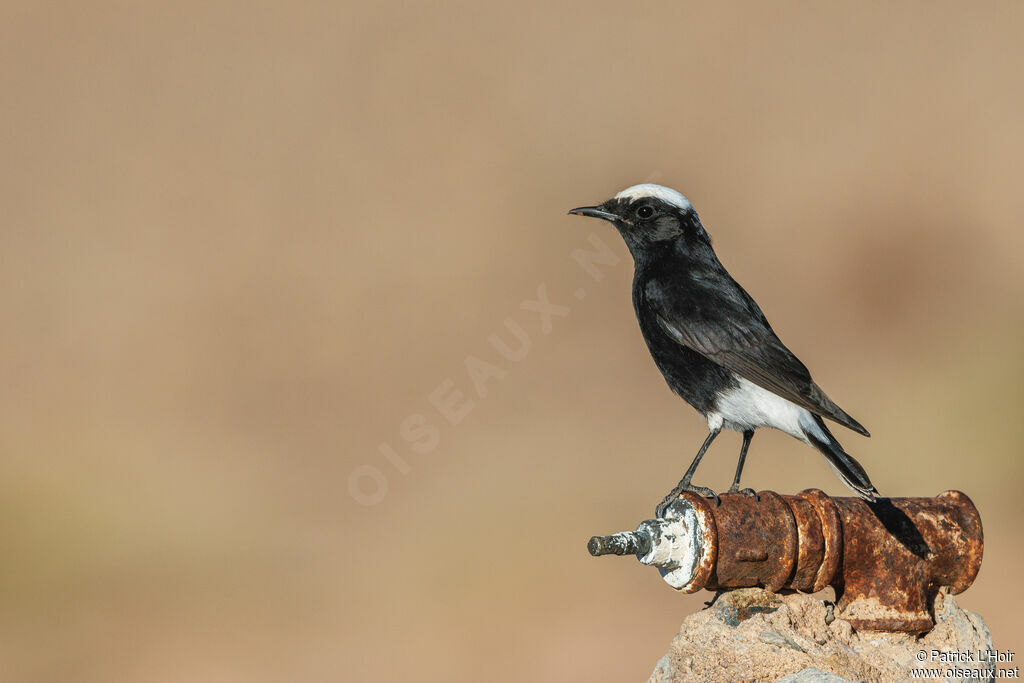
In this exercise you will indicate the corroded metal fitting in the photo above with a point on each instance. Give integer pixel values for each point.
(886, 560)
(676, 545)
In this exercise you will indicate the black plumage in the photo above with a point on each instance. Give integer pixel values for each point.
(710, 339)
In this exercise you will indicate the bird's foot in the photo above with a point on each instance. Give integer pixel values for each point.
(659, 512)
(735, 488)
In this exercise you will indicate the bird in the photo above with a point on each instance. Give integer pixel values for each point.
(713, 344)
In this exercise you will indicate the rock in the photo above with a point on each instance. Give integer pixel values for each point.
(813, 675)
(773, 638)
(662, 671)
(739, 605)
(752, 634)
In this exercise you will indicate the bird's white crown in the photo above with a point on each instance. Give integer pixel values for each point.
(665, 194)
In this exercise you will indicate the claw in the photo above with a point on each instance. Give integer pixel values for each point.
(707, 493)
(749, 492)
(659, 512)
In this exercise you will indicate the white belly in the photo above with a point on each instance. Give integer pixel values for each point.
(749, 406)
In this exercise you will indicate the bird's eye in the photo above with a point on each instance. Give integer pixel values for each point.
(645, 212)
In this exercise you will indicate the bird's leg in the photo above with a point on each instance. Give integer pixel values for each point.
(735, 488)
(684, 483)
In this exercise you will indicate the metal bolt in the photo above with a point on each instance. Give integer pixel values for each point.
(624, 543)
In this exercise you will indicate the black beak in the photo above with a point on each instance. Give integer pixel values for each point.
(594, 212)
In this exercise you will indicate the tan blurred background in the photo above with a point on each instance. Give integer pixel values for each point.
(242, 243)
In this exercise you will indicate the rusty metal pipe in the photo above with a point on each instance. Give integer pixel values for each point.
(886, 560)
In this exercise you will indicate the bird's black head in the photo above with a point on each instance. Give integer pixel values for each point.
(651, 217)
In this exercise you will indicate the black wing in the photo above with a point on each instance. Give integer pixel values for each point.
(725, 325)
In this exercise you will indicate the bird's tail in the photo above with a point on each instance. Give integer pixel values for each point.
(848, 469)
